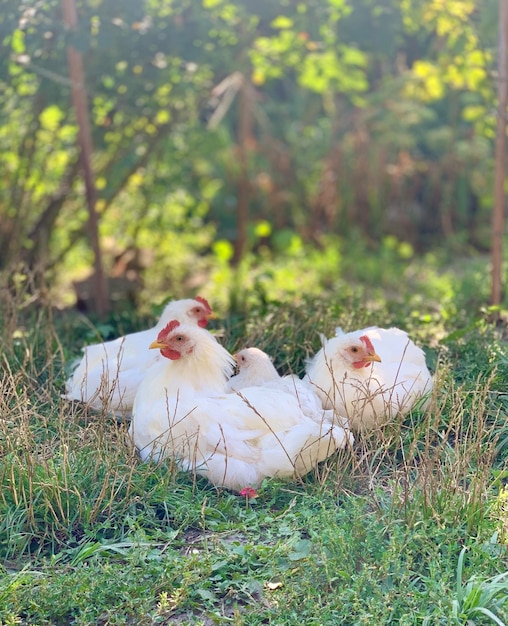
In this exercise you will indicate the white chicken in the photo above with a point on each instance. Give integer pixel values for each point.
(108, 374)
(233, 439)
(255, 368)
(368, 386)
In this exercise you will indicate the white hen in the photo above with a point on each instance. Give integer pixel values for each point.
(235, 440)
(108, 374)
(255, 368)
(368, 386)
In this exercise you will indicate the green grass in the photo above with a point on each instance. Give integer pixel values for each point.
(409, 527)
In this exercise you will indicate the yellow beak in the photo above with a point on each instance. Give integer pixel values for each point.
(373, 356)
(157, 344)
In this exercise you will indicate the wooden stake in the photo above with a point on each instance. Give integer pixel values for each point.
(79, 101)
(244, 139)
(498, 214)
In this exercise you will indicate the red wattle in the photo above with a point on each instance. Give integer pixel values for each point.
(174, 355)
(359, 364)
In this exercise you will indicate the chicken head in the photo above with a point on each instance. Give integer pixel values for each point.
(257, 363)
(358, 353)
(201, 312)
(172, 343)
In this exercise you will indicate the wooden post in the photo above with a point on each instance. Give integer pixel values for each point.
(498, 214)
(244, 142)
(79, 101)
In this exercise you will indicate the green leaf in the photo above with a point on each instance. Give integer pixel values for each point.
(282, 22)
(353, 56)
(223, 250)
(205, 594)
(162, 117)
(489, 614)
(18, 41)
(51, 117)
(263, 229)
(473, 113)
(301, 550)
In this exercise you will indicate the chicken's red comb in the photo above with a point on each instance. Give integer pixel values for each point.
(167, 329)
(204, 302)
(368, 343)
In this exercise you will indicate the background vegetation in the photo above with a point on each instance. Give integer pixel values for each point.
(222, 129)
(303, 165)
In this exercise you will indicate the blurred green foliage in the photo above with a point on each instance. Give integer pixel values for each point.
(359, 123)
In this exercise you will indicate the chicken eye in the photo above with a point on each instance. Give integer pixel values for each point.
(354, 349)
(179, 338)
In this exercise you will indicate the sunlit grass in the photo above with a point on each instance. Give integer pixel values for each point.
(89, 535)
